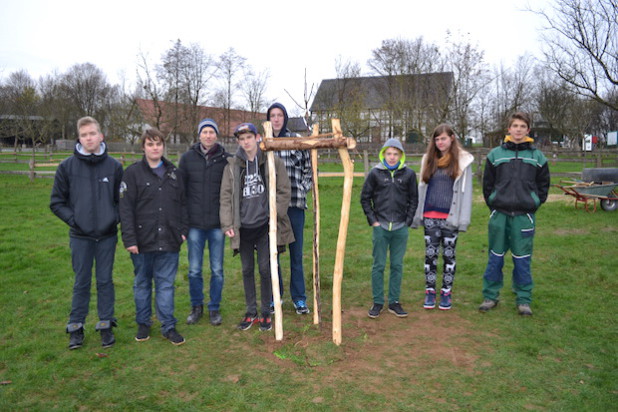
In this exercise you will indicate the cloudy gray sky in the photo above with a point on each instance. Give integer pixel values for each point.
(284, 36)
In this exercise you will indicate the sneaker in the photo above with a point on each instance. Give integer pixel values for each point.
(301, 307)
(445, 299)
(247, 321)
(143, 333)
(76, 339)
(173, 336)
(524, 309)
(272, 307)
(195, 315)
(215, 317)
(397, 310)
(375, 310)
(265, 322)
(107, 338)
(430, 298)
(487, 305)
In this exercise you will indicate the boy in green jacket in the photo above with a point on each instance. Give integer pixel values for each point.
(515, 184)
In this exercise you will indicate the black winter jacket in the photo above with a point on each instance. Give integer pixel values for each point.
(152, 210)
(202, 176)
(390, 197)
(85, 194)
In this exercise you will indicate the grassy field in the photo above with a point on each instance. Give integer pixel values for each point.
(563, 358)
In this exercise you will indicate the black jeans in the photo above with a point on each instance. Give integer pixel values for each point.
(251, 241)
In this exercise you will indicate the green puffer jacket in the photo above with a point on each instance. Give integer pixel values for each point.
(516, 178)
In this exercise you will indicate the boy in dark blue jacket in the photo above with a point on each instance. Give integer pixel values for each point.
(515, 184)
(389, 199)
(85, 197)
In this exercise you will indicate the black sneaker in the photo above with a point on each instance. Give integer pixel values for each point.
(195, 315)
(107, 338)
(247, 321)
(173, 336)
(76, 339)
(143, 333)
(375, 310)
(265, 323)
(397, 310)
(215, 317)
(487, 305)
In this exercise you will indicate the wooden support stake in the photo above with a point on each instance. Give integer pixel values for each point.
(272, 235)
(348, 170)
(317, 311)
(307, 143)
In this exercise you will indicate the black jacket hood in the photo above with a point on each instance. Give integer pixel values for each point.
(284, 129)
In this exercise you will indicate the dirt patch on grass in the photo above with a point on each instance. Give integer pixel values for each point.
(389, 352)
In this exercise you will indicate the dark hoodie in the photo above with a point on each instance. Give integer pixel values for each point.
(297, 164)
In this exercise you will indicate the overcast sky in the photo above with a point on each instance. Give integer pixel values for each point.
(286, 37)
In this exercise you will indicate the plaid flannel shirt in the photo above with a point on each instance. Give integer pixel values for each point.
(298, 165)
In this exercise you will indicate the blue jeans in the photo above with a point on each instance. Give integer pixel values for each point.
(160, 267)
(297, 275)
(84, 253)
(195, 244)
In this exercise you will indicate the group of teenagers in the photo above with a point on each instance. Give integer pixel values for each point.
(213, 194)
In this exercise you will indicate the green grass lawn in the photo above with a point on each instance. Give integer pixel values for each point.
(563, 358)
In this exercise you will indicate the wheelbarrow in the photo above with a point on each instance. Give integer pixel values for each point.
(588, 194)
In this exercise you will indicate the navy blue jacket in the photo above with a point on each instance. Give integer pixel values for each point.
(85, 194)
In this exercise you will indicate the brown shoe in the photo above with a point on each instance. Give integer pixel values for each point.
(524, 309)
(487, 305)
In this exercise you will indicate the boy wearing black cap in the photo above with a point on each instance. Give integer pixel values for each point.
(244, 215)
(202, 167)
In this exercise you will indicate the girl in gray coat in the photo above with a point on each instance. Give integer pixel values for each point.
(444, 207)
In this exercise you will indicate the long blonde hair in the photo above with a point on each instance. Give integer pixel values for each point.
(433, 155)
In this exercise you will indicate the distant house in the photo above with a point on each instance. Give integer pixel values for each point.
(180, 121)
(299, 125)
(379, 107)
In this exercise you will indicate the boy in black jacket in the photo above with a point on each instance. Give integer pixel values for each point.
(389, 199)
(154, 225)
(202, 168)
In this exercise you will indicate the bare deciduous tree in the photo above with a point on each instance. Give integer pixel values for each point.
(253, 87)
(581, 46)
(230, 64)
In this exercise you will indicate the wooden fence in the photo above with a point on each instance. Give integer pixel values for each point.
(39, 161)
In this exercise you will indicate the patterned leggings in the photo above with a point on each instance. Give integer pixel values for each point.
(436, 234)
